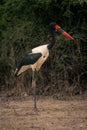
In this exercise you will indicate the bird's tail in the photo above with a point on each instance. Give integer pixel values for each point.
(16, 72)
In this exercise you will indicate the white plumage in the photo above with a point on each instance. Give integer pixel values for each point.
(45, 53)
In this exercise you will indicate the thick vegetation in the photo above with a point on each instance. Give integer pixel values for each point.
(24, 25)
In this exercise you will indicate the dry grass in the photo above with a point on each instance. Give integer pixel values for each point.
(52, 114)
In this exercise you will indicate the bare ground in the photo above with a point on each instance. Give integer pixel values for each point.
(52, 115)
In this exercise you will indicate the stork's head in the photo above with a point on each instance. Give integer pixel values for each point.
(55, 27)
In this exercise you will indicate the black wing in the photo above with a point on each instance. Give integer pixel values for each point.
(28, 59)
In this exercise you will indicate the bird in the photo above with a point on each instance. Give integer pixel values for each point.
(35, 58)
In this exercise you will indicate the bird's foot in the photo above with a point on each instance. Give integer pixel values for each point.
(36, 110)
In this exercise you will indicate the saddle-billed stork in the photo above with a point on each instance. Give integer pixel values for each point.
(38, 55)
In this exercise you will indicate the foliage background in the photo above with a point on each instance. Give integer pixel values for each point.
(24, 25)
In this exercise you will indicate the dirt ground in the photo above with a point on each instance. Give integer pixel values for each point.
(53, 114)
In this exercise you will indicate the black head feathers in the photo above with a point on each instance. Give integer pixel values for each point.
(52, 26)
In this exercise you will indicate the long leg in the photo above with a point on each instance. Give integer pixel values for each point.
(34, 90)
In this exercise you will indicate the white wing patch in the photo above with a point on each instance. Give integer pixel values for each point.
(45, 53)
(23, 69)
